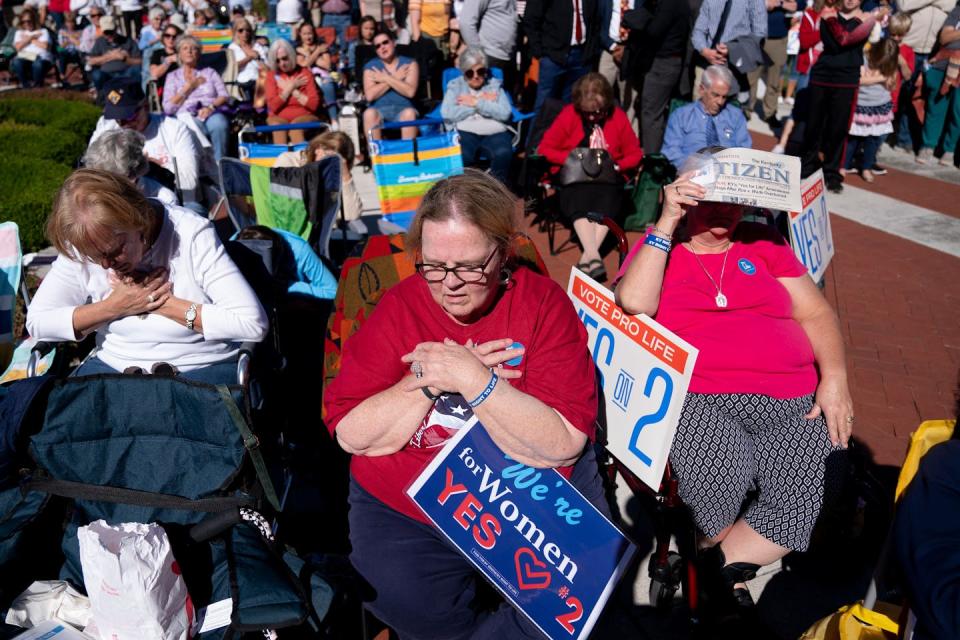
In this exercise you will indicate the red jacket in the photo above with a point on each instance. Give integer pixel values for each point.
(566, 133)
(809, 39)
(290, 108)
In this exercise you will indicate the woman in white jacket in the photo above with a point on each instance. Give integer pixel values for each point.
(152, 280)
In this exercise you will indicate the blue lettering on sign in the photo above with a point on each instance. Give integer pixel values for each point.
(622, 389)
(808, 241)
(655, 374)
(746, 266)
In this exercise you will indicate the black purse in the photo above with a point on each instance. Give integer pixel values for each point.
(589, 166)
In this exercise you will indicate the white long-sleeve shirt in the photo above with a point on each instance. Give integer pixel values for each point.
(201, 272)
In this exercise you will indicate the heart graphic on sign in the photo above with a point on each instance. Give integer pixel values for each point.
(527, 577)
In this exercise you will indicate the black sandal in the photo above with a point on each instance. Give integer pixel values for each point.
(598, 273)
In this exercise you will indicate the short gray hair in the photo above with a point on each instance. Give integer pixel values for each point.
(472, 57)
(280, 43)
(719, 73)
(157, 11)
(118, 151)
(187, 39)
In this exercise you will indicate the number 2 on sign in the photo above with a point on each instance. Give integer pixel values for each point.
(567, 619)
(655, 374)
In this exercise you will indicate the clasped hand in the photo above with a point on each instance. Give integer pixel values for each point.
(463, 369)
(131, 296)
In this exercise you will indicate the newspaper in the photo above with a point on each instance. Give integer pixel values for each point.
(748, 177)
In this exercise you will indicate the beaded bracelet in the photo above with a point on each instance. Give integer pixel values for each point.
(657, 242)
(486, 392)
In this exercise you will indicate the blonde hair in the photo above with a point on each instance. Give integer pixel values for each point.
(474, 196)
(91, 200)
(900, 24)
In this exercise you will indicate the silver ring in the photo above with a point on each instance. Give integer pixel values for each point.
(850, 419)
(150, 298)
(417, 368)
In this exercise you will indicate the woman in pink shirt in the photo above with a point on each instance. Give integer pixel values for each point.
(768, 402)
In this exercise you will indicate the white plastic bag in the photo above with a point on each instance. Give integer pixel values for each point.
(46, 600)
(133, 582)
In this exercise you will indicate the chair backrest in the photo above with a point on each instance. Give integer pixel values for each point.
(212, 40)
(302, 200)
(327, 34)
(10, 270)
(217, 60)
(404, 170)
(367, 275)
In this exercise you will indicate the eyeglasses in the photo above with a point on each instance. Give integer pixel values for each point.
(244, 30)
(597, 113)
(282, 58)
(482, 72)
(169, 35)
(382, 43)
(96, 15)
(465, 273)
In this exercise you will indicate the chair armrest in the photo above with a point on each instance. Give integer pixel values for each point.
(40, 351)
(243, 363)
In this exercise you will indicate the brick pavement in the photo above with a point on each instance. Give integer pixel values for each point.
(899, 305)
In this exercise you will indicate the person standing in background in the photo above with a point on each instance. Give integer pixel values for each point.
(491, 25)
(779, 13)
(613, 37)
(564, 35)
(431, 18)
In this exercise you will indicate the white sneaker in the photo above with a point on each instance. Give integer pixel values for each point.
(946, 160)
(790, 100)
(778, 149)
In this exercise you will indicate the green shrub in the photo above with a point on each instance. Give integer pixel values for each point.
(66, 115)
(43, 143)
(40, 143)
(27, 188)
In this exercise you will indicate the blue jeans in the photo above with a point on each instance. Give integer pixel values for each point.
(556, 81)
(217, 127)
(340, 22)
(218, 373)
(868, 144)
(497, 148)
(100, 77)
(328, 89)
(30, 73)
(907, 120)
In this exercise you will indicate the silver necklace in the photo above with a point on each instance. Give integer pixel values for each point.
(721, 299)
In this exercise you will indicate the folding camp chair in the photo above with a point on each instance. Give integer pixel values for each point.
(265, 153)
(405, 170)
(303, 200)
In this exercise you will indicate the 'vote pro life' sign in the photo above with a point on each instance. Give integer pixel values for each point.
(548, 550)
(810, 233)
(645, 370)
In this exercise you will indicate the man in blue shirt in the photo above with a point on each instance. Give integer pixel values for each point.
(746, 19)
(709, 121)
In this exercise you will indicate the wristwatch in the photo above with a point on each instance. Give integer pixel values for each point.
(190, 315)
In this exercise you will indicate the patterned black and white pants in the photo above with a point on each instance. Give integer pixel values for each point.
(729, 444)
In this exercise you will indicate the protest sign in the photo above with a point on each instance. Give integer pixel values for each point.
(810, 234)
(551, 553)
(644, 373)
(748, 177)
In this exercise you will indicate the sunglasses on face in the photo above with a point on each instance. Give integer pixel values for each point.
(243, 30)
(169, 35)
(482, 72)
(382, 43)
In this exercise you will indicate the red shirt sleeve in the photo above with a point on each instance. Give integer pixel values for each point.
(559, 370)
(846, 38)
(555, 145)
(274, 103)
(809, 32)
(624, 145)
(310, 88)
(370, 363)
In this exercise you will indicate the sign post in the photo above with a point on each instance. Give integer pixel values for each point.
(551, 553)
(810, 233)
(645, 370)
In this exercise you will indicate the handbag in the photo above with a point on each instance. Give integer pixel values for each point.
(588, 166)
(29, 56)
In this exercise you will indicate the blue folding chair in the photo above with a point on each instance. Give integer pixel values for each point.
(265, 154)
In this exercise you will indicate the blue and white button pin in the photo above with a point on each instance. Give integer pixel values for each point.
(513, 362)
(746, 266)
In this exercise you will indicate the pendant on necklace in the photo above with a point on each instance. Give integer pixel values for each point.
(721, 300)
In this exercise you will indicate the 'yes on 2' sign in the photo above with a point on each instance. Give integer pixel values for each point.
(810, 233)
(645, 370)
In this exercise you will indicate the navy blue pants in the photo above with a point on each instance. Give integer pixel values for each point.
(218, 373)
(424, 587)
(496, 148)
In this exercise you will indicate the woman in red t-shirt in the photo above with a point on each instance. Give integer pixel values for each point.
(757, 415)
(440, 348)
(292, 95)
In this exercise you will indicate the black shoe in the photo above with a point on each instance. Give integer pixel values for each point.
(835, 187)
(597, 271)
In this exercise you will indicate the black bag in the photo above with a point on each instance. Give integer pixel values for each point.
(588, 166)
